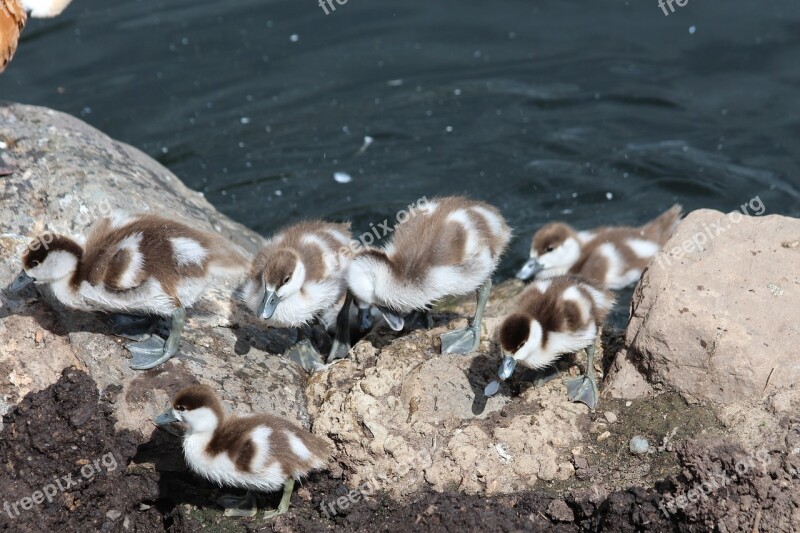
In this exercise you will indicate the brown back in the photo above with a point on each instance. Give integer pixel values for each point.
(428, 240)
(556, 314)
(103, 263)
(234, 436)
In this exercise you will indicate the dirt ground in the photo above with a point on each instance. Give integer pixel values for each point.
(65, 434)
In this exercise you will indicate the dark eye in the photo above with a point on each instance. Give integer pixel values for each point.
(549, 249)
(35, 263)
(180, 408)
(287, 280)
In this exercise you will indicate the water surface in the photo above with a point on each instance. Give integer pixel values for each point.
(602, 112)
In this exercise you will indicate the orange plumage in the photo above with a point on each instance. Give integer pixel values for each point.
(12, 20)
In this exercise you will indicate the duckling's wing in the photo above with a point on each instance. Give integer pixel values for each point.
(124, 270)
(12, 20)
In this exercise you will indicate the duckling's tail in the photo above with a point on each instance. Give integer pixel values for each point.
(318, 452)
(660, 229)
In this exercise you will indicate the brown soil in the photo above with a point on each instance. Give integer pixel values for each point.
(57, 431)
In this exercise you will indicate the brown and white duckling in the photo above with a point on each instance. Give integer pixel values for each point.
(553, 317)
(614, 257)
(14, 15)
(448, 247)
(142, 264)
(298, 277)
(258, 452)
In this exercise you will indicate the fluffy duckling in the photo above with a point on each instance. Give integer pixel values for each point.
(553, 317)
(447, 247)
(132, 264)
(14, 15)
(258, 453)
(614, 257)
(299, 276)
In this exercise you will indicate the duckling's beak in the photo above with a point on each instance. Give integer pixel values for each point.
(395, 321)
(22, 281)
(268, 304)
(364, 319)
(167, 417)
(507, 367)
(530, 269)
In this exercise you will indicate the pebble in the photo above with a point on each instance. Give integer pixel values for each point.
(611, 417)
(603, 436)
(113, 514)
(491, 389)
(628, 404)
(639, 445)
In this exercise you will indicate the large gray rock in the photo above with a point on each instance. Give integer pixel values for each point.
(66, 175)
(715, 316)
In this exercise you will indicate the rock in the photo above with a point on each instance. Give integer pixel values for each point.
(610, 416)
(625, 380)
(560, 511)
(639, 445)
(714, 317)
(398, 409)
(67, 174)
(603, 436)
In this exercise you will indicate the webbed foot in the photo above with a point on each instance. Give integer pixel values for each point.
(154, 351)
(582, 389)
(304, 354)
(239, 505)
(132, 327)
(461, 341)
(339, 350)
(148, 353)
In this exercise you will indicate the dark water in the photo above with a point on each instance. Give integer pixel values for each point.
(598, 112)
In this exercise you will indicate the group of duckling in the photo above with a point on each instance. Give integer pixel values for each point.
(138, 268)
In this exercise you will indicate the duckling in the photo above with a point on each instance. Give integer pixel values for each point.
(298, 277)
(553, 317)
(258, 452)
(14, 15)
(614, 257)
(448, 247)
(132, 264)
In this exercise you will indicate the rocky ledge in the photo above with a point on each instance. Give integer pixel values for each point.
(705, 372)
